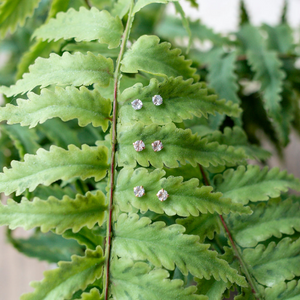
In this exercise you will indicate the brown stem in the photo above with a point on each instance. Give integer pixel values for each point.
(234, 247)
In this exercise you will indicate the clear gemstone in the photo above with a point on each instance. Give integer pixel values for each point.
(162, 195)
(139, 191)
(157, 146)
(137, 104)
(157, 100)
(139, 146)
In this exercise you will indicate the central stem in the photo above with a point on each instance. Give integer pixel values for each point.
(117, 76)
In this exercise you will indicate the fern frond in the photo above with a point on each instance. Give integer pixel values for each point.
(70, 103)
(181, 100)
(205, 226)
(142, 3)
(92, 295)
(83, 25)
(135, 280)
(281, 260)
(185, 198)
(76, 69)
(57, 6)
(272, 219)
(14, 13)
(237, 137)
(150, 56)
(179, 145)
(139, 239)
(284, 291)
(55, 214)
(69, 277)
(211, 288)
(254, 184)
(48, 166)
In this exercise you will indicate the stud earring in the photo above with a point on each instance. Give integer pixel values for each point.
(162, 195)
(137, 104)
(157, 146)
(139, 145)
(157, 100)
(139, 191)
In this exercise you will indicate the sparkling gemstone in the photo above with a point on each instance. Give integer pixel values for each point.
(157, 100)
(139, 146)
(157, 146)
(137, 104)
(139, 191)
(162, 195)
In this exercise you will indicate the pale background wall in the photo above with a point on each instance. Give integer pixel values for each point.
(16, 271)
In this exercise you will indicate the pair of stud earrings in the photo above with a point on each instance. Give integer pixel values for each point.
(140, 146)
(139, 191)
(137, 104)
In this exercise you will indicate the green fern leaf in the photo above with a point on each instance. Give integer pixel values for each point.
(14, 13)
(85, 236)
(181, 100)
(139, 239)
(211, 288)
(57, 6)
(284, 291)
(179, 146)
(272, 219)
(67, 104)
(48, 166)
(185, 198)
(25, 140)
(81, 26)
(254, 184)
(204, 226)
(53, 213)
(134, 281)
(246, 294)
(142, 3)
(69, 277)
(274, 264)
(38, 49)
(76, 69)
(121, 8)
(48, 247)
(147, 55)
(237, 137)
(92, 295)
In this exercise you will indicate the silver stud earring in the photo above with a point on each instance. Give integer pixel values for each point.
(137, 104)
(162, 195)
(157, 100)
(157, 146)
(139, 145)
(139, 191)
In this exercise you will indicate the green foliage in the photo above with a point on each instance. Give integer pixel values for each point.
(68, 140)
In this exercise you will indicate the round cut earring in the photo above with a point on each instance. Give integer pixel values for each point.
(139, 145)
(162, 195)
(157, 100)
(157, 146)
(139, 191)
(137, 104)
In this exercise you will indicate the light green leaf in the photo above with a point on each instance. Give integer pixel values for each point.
(67, 104)
(246, 294)
(237, 138)
(121, 8)
(83, 25)
(14, 13)
(57, 6)
(69, 277)
(139, 239)
(142, 3)
(43, 192)
(211, 288)
(85, 236)
(46, 246)
(254, 184)
(180, 146)
(76, 69)
(205, 226)
(274, 264)
(284, 291)
(53, 213)
(185, 198)
(272, 219)
(181, 100)
(48, 166)
(38, 49)
(92, 295)
(25, 140)
(134, 281)
(147, 55)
